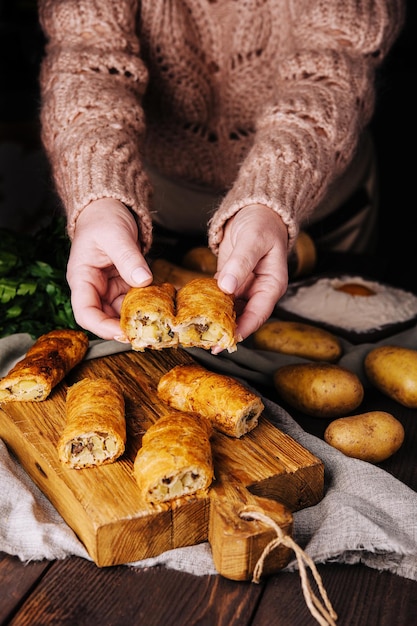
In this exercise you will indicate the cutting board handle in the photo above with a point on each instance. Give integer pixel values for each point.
(237, 541)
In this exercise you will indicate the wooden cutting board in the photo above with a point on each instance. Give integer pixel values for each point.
(104, 507)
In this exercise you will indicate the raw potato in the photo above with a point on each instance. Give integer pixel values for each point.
(166, 272)
(393, 370)
(298, 339)
(200, 259)
(319, 389)
(372, 437)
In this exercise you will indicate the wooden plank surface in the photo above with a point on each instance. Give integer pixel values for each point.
(125, 597)
(104, 506)
(75, 591)
(17, 581)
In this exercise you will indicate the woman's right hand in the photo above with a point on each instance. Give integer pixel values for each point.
(253, 265)
(105, 261)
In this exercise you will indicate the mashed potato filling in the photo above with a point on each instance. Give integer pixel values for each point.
(150, 329)
(181, 484)
(90, 449)
(201, 332)
(26, 390)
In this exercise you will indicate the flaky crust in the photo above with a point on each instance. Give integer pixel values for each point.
(175, 459)
(45, 364)
(205, 316)
(198, 315)
(95, 431)
(147, 317)
(230, 406)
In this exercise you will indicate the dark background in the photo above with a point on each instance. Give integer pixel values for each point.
(394, 130)
(24, 183)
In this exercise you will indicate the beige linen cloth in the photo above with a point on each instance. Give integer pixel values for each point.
(366, 515)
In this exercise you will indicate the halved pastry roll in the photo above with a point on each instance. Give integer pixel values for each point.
(175, 458)
(95, 431)
(45, 364)
(205, 316)
(230, 406)
(147, 317)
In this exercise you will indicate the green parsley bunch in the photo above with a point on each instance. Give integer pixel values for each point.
(34, 293)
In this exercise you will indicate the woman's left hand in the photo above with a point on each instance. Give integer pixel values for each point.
(253, 264)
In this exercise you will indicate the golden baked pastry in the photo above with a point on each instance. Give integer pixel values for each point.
(205, 316)
(147, 317)
(197, 315)
(230, 406)
(95, 431)
(45, 364)
(175, 458)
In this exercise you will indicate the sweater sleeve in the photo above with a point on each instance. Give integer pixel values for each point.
(92, 81)
(324, 97)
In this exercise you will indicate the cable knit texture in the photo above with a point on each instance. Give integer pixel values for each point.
(261, 100)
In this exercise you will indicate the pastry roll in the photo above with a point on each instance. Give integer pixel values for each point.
(95, 431)
(45, 364)
(147, 317)
(175, 458)
(205, 316)
(230, 406)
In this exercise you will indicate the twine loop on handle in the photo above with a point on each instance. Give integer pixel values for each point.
(322, 611)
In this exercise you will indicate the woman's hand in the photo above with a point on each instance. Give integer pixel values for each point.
(105, 260)
(253, 264)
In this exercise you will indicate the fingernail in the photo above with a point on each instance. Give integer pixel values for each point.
(140, 275)
(121, 339)
(228, 283)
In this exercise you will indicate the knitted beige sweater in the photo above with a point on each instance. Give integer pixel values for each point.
(262, 100)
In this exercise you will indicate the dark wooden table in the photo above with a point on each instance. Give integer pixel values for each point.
(75, 592)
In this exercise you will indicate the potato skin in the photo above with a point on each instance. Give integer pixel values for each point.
(319, 389)
(393, 370)
(372, 436)
(200, 259)
(298, 339)
(166, 272)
